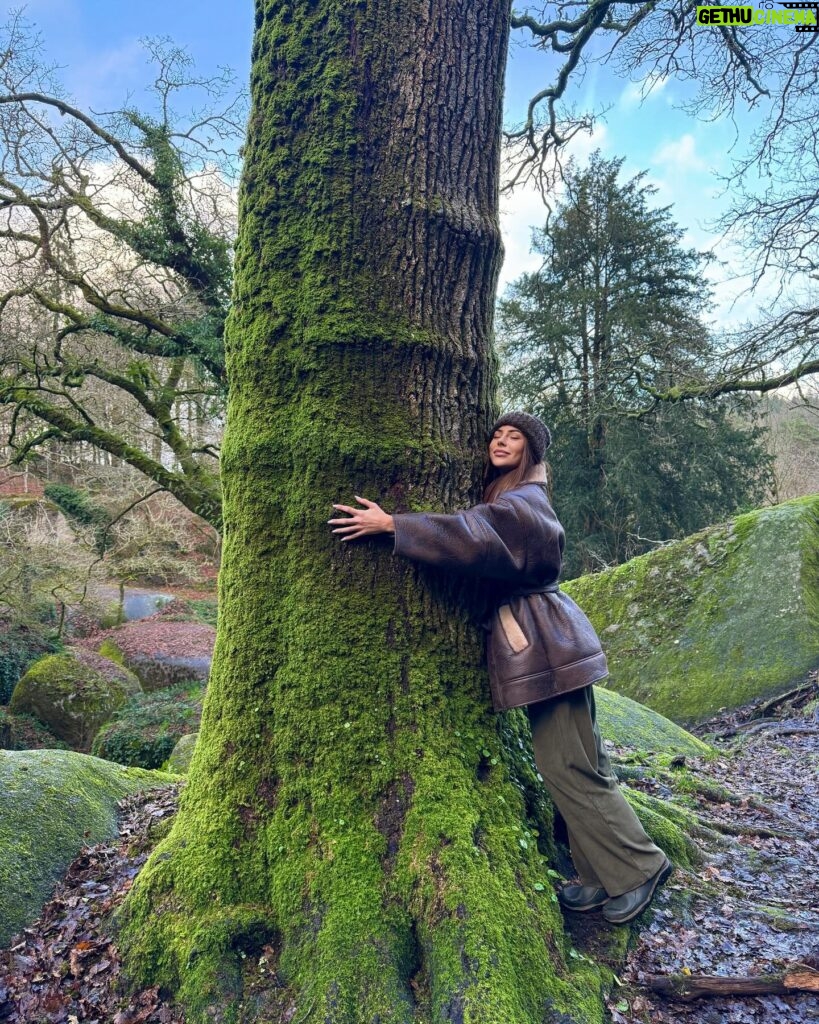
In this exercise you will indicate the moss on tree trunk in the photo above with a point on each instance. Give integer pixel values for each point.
(353, 803)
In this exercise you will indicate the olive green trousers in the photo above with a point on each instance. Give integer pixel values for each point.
(608, 844)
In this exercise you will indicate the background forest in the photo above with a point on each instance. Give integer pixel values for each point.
(116, 257)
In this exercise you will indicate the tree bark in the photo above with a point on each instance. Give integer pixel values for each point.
(356, 819)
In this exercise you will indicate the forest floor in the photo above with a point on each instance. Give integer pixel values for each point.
(750, 909)
(753, 907)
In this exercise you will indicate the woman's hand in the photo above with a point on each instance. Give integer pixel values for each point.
(361, 522)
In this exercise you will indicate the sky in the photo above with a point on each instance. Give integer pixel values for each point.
(96, 43)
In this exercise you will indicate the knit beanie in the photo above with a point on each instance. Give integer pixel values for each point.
(537, 433)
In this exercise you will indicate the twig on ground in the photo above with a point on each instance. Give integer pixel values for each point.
(795, 978)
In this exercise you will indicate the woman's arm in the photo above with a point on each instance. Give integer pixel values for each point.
(485, 540)
(510, 539)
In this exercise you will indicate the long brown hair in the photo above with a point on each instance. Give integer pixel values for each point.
(497, 481)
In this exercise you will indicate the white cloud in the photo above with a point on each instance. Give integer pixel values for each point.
(120, 69)
(519, 213)
(681, 155)
(582, 146)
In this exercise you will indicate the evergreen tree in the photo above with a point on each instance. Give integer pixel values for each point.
(614, 311)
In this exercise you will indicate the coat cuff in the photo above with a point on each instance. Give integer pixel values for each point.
(396, 534)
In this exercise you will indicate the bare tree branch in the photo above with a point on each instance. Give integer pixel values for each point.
(116, 234)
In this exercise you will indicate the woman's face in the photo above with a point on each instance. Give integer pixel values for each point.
(507, 447)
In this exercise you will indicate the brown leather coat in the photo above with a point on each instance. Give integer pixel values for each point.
(540, 644)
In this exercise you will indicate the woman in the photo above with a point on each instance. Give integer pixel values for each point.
(542, 653)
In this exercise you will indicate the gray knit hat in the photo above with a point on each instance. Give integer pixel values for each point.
(537, 433)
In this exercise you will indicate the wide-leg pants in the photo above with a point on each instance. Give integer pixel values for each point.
(608, 844)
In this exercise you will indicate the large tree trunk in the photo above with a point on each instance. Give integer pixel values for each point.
(353, 809)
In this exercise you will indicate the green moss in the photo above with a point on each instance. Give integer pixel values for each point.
(687, 782)
(351, 800)
(669, 825)
(108, 649)
(628, 724)
(340, 876)
(781, 920)
(686, 785)
(70, 697)
(53, 803)
(716, 620)
(76, 503)
(205, 610)
(147, 727)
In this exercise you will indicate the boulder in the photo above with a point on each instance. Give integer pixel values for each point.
(628, 724)
(161, 651)
(73, 694)
(156, 671)
(53, 802)
(718, 619)
(182, 754)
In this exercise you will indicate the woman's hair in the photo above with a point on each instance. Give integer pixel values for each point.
(496, 481)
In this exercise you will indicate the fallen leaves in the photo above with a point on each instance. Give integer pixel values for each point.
(754, 907)
(65, 968)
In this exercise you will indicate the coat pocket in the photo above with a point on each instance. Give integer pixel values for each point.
(515, 636)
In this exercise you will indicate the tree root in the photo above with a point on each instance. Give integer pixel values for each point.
(798, 691)
(773, 729)
(760, 831)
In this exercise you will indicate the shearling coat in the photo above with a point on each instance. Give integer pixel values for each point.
(540, 643)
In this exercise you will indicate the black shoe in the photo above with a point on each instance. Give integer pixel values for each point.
(622, 909)
(581, 898)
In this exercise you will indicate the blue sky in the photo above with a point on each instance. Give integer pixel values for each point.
(97, 44)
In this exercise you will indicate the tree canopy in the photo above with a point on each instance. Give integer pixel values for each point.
(115, 267)
(772, 189)
(117, 228)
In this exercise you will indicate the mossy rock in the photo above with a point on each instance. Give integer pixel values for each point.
(108, 649)
(668, 825)
(182, 754)
(161, 671)
(628, 724)
(73, 694)
(145, 730)
(716, 620)
(20, 646)
(53, 803)
(205, 610)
